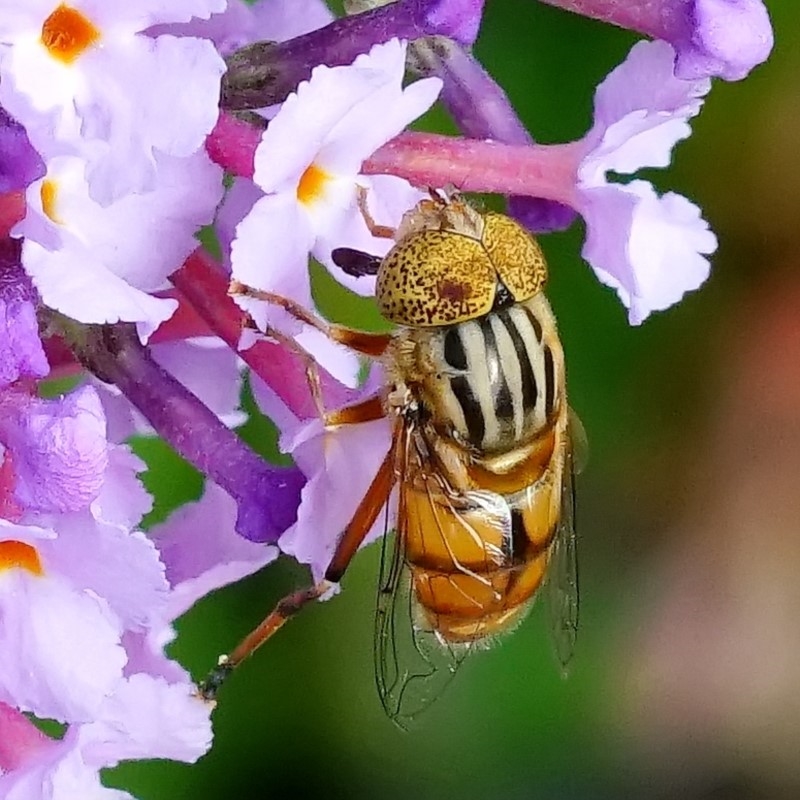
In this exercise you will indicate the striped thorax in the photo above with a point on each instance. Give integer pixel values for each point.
(495, 382)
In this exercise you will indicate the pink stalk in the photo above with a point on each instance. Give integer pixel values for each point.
(20, 739)
(428, 159)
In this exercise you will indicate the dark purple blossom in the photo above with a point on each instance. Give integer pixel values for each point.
(20, 164)
(712, 38)
(21, 352)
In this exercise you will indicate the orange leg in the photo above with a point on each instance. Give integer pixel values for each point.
(370, 344)
(378, 231)
(359, 526)
(365, 411)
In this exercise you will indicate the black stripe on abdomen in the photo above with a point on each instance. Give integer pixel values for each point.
(549, 381)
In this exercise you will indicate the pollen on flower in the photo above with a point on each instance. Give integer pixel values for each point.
(312, 183)
(19, 554)
(49, 195)
(67, 33)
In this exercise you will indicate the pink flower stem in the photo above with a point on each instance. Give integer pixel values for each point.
(12, 210)
(660, 19)
(20, 739)
(472, 165)
(428, 159)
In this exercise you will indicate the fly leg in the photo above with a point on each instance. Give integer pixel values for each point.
(369, 344)
(378, 231)
(354, 534)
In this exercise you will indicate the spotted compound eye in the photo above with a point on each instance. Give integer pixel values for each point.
(442, 277)
(435, 278)
(515, 255)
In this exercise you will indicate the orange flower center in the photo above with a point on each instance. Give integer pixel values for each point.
(18, 554)
(312, 184)
(66, 33)
(49, 195)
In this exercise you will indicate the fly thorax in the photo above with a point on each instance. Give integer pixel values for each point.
(494, 382)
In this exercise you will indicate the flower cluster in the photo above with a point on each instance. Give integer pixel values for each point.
(118, 123)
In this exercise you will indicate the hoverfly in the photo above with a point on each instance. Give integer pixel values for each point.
(481, 454)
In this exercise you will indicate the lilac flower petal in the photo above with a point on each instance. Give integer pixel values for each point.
(641, 111)
(146, 654)
(70, 285)
(228, 30)
(210, 370)
(20, 164)
(60, 774)
(21, 352)
(712, 38)
(376, 106)
(146, 13)
(71, 637)
(460, 19)
(241, 23)
(388, 198)
(182, 112)
(122, 567)
(727, 39)
(239, 200)
(59, 450)
(608, 212)
(97, 263)
(201, 550)
(123, 500)
(339, 361)
(279, 20)
(263, 231)
(20, 740)
(334, 488)
(650, 249)
(148, 718)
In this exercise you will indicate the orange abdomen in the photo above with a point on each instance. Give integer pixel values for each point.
(475, 566)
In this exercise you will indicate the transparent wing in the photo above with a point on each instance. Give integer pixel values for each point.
(562, 574)
(414, 662)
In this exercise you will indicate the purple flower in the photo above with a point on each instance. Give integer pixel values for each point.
(58, 448)
(712, 38)
(145, 717)
(19, 162)
(21, 353)
(60, 83)
(262, 76)
(92, 262)
(117, 102)
(242, 23)
(311, 186)
(650, 249)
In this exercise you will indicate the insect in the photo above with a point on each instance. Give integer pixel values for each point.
(481, 458)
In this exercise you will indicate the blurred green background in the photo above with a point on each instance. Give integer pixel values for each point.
(686, 675)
